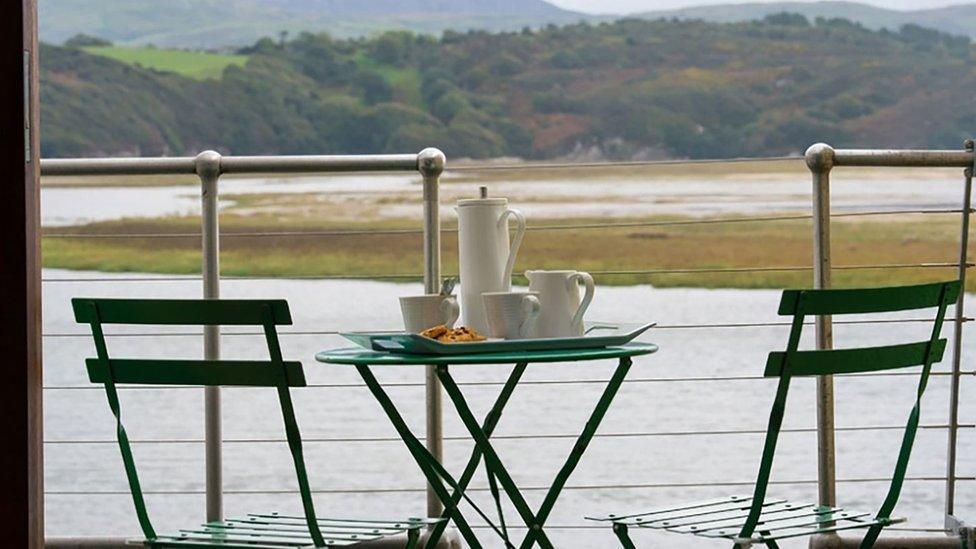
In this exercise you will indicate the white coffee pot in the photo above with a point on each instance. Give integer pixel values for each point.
(562, 309)
(485, 256)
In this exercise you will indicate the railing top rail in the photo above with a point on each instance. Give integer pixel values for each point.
(119, 166)
(297, 164)
(823, 157)
(189, 165)
(818, 157)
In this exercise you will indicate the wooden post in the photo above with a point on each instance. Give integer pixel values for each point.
(21, 460)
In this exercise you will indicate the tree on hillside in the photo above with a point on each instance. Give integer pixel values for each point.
(82, 40)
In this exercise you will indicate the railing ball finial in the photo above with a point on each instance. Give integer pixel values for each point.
(208, 164)
(820, 157)
(431, 162)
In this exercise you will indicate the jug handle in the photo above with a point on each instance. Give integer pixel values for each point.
(516, 242)
(587, 280)
(531, 308)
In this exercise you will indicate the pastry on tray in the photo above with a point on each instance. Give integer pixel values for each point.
(457, 335)
(435, 332)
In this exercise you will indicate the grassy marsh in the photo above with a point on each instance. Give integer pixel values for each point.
(905, 239)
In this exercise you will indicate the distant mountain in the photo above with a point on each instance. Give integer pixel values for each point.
(414, 7)
(220, 23)
(959, 19)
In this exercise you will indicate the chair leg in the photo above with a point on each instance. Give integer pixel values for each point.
(621, 531)
(871, 536)
(413, 535)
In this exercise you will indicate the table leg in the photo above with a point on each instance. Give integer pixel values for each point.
(535, 522)
(492, 461)
(491, 421)
(581, 443)
(428, 465)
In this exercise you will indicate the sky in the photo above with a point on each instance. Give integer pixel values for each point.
(631, 6)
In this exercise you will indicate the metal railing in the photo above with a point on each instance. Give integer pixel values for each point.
(430, 164)
(821, 159)
(209, 166)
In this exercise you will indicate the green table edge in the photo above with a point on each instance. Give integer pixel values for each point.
(357, 356)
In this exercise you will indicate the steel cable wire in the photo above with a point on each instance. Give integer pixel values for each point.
(586, 487)
(731, 325)
(401, 384)
(543, 436)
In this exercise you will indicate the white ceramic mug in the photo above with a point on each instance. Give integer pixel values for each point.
(426, 311)
(562, 309)
(511, 315)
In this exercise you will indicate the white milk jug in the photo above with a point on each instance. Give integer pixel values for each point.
(486, 259)
(559, 295)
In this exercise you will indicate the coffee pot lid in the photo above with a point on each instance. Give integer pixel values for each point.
(483, 200)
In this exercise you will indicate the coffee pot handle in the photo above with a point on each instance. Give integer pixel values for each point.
(587, 280)
(516, 243)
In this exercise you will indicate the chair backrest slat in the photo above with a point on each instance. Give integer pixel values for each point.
(241, 373)
(850, 361)
(182, 312)
(868, 300)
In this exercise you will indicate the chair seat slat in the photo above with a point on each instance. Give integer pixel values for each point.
(271, 537)
(778, 512)
(185, 542)
(668, 518)
(780, 519)
(412, 522)
(299, 528)
(842, 526)
(809, 518)
(275, 531)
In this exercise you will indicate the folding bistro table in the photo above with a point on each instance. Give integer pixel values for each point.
(440, 480)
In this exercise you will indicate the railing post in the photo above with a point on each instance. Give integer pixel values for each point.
(820, 160)
(208, 168)
(957, 346)
(430, 163)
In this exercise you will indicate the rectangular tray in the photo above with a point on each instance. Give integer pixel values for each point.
(597, 334)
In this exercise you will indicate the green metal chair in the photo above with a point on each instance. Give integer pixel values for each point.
(758, 520)
(256, 531)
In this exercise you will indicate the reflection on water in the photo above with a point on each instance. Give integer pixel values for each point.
(555, 196)
(648, 470)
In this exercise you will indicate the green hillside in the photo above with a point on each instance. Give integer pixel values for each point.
(194, 64)
(630, 89)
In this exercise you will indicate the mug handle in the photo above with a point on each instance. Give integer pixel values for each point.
(451, 310)
(516, 243)
(587, 280)
(530, 308)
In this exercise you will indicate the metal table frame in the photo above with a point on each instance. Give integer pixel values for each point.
(441, 480)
